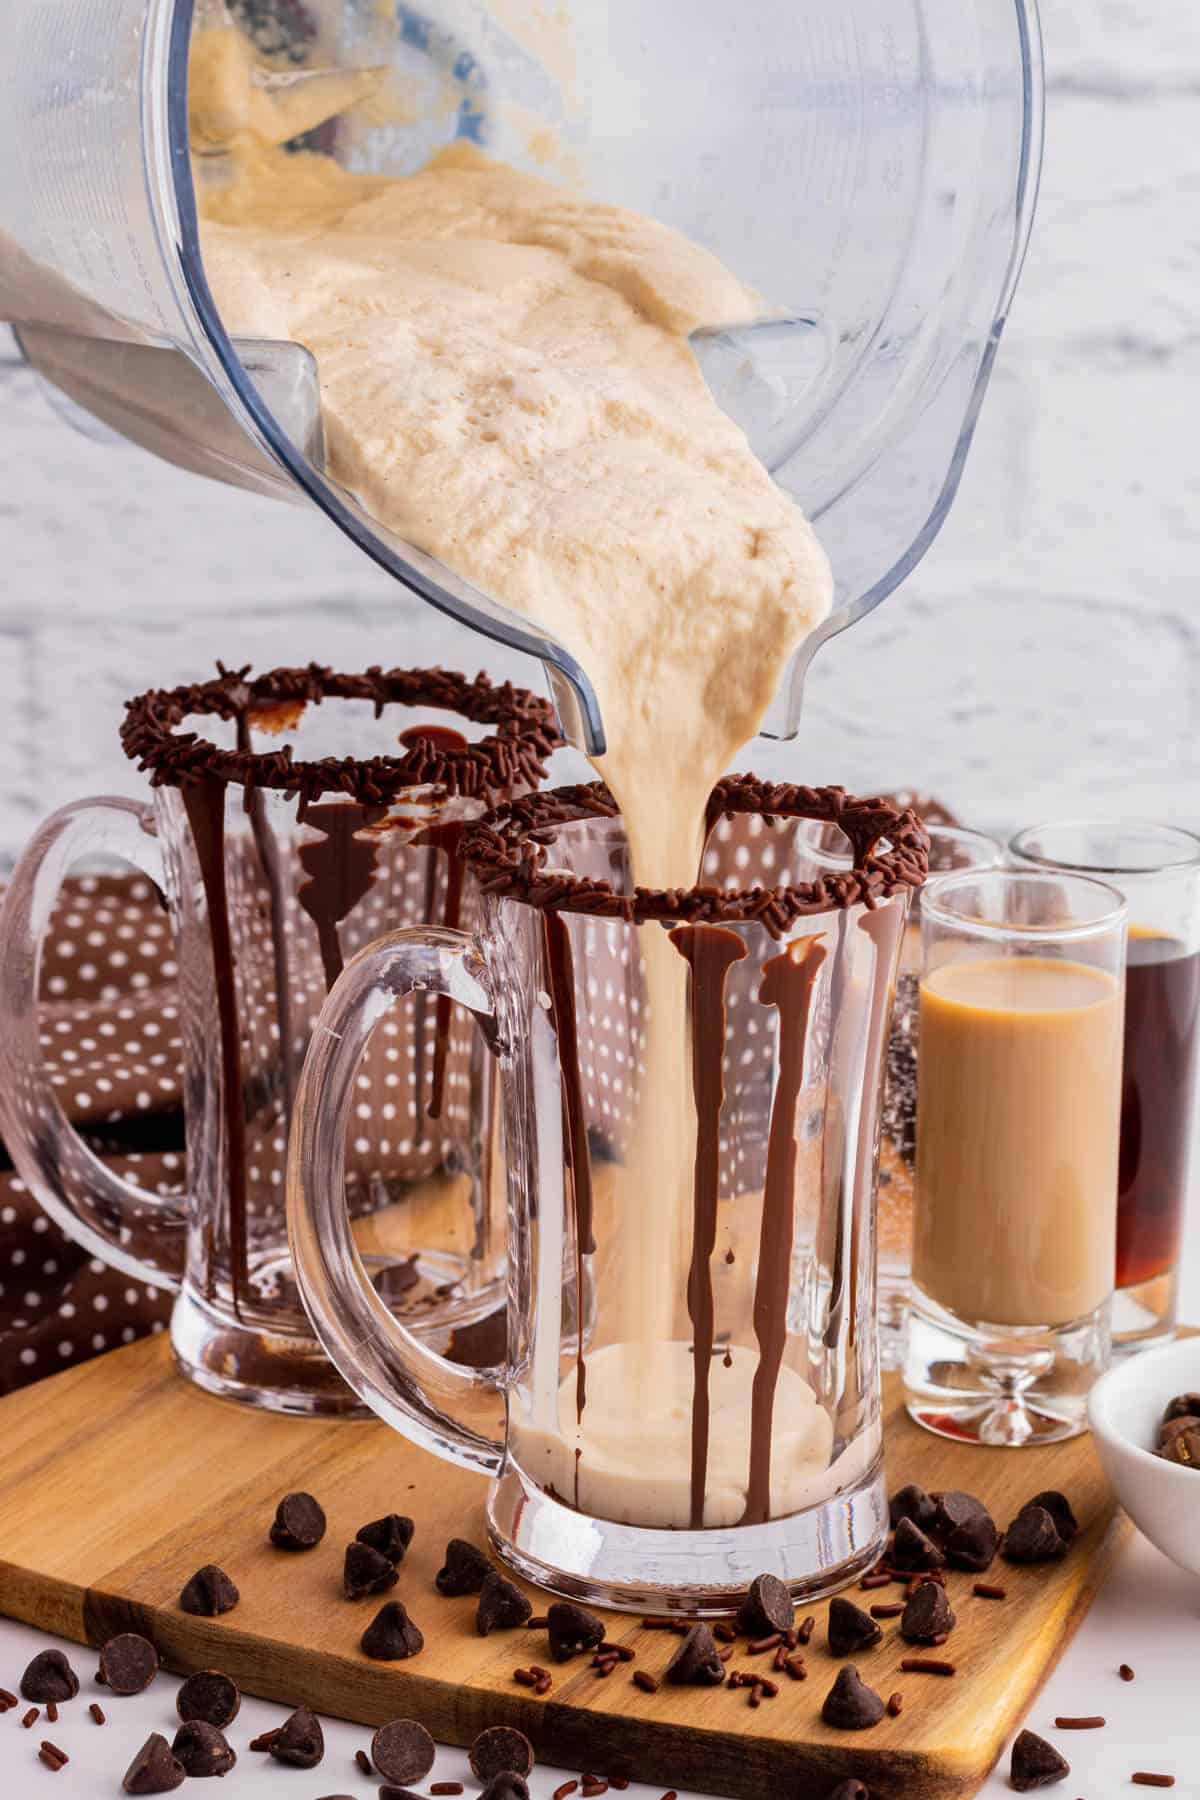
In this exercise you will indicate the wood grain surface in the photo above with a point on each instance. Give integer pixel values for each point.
(120, 1479)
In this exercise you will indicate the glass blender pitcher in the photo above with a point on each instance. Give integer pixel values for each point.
(870, 166)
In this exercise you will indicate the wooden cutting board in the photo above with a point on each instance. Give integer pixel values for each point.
(119, 1479)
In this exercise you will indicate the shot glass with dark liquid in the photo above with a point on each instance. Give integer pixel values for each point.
(1157, 868)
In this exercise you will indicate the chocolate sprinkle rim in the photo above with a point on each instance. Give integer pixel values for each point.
(526, 732)
(508, 849)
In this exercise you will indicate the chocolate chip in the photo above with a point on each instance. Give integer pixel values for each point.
(366, 1571)
(299, 1742)
(1033, 1537)
(210, 1696)
(850, 1705)
(973, 1545)
(391, 1636)
(849, 1790)
(1059, 1508)
(850, 1628)
(202, 1749)
(928, 1615)
(465, 1570)
(403, 1751)
(209, 1593)
(390, 1535)
(155, 1769)
(697, 1661)
(128, 1663)
(913, 1503)
(572, 1630)
(956, 1510)
(299, 1523)
(501, 1750)
(1179, 1441)
(1035, 1763)
(766, 1608)
(49, 1677)
(912, 1552)
(505, 1786)
(1183, 1406)
(502, 1606)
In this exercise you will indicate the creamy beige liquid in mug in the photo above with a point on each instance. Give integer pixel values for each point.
(1017, 1129)
(506, 383)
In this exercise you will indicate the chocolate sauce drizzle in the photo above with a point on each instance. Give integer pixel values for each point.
(710, 951)
(445, 838)
(271, 864)
(787, 984)
(560, 968)
(341, 866)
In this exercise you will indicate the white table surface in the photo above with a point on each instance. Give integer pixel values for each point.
(1147, 1614)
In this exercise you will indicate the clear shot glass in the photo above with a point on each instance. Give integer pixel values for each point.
(1157, 869)
(1018, 1116)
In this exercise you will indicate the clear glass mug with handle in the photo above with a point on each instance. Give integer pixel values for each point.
(689, 1092)
(869, 167)
(296, 816)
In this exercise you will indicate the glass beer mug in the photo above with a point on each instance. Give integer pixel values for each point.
(690, 1099)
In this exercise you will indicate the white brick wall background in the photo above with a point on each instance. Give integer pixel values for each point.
(1045, 656)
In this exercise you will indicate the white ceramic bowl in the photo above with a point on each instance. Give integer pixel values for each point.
(1125, 1406)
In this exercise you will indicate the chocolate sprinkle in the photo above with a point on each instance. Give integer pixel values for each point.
(767, 1607)
(299, 1523)
(514, 756)
(49, 1677)
(390, 1535)
(1035, 1763)
(850, 1628)
(1033, 1537)
(697, 1662)
(465, 1570)
(366, 1571)
(391, 1636)
(403, 1751)
(501, 1750)
(502, 1605)
(572, 1630)
(913, 1503)
(155, 1769)
(912, 1552)
(128, 1663)
(299, 1742)
(209, 1593)
(928, 1617)
(210, 1697)
(203, 1749)
(850, 1705)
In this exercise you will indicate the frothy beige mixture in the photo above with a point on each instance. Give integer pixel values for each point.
(507, 383)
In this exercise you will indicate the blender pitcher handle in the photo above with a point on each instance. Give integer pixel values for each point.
(130, 1229)
(419, 1393)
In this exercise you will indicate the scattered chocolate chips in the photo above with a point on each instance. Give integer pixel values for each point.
(928, 1616)
(914, 1504)
(1059, 1508)
(299, 1742)
(299, 1523)
(767, 1607)
(128, 1663)
(973, 1545)
(502, 1605)
(1183, 1406)
(366, 1571)
(155, 1769)
(850, 1628)
(507, 1786)
(501, 1750)
(1179, 1442)
(49, 1677)
(209, 1696)
(209, 1593)
(465, 1570)
(1033, 1537)
(203, 1749)
(697, 1662)
(850, 1705)
(912, 1552)
(1035, 1763)
(572, 1630)
(391, 1636)
(390, 1535)
(403, 1751)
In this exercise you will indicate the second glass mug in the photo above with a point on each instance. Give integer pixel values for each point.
(690, 1117)
(297, 815)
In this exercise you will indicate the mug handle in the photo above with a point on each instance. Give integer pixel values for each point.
(419, 1393)
(140, 1233)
